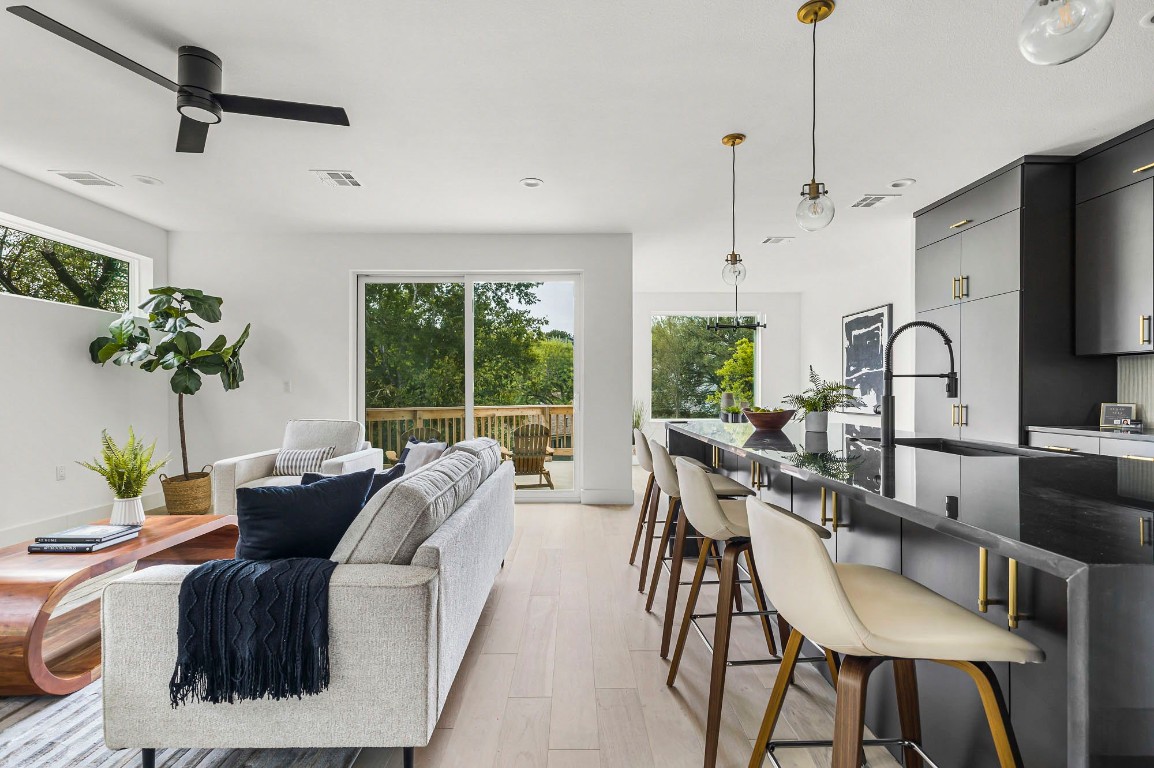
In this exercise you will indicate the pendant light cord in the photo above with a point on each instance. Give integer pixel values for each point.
(733, 201)
(813, 131)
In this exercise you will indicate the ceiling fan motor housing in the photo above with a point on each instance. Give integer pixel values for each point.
(199, 77)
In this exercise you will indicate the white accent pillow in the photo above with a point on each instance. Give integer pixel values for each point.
(420, 454)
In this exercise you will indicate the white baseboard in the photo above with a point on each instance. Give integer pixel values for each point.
(25, 531)
(607, 496)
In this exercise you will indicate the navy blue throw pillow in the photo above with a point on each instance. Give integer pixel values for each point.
(380, 479)
(299, 520)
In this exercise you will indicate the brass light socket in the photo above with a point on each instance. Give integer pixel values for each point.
(733, 139)
(733, 258)
(813, 11)
(813, 190)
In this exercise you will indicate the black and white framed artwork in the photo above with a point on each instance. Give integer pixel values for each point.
(863, 341)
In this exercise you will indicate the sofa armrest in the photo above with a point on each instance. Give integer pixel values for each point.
(371, 458)
(227, 474)
(383, 690)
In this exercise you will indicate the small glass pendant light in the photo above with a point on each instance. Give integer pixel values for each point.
(816, 209)
(1057, 31)
(733, 273)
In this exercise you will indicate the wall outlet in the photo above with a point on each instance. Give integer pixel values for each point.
(60, 472)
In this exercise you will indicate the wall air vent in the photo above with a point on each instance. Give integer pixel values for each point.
(778, 240)
(337, 178)
(86, 178)
(873, 201)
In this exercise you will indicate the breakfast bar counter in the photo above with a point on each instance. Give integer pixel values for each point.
(1053, 545)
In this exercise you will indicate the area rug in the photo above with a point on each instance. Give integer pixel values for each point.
(47, 732)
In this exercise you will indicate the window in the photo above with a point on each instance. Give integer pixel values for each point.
(35, 266)
(693, 366)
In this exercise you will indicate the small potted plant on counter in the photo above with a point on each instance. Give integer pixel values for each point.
(822, 397)
(127, 471)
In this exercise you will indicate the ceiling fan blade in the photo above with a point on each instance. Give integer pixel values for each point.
(285, 110)
(72, 36)
(192, 135)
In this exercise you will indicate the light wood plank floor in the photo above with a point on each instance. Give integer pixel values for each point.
(564, 669)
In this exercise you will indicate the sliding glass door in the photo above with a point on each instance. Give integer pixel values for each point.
(454, 357)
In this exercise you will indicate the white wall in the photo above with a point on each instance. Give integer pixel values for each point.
(780, 348)
(295, 290)
(53, 400)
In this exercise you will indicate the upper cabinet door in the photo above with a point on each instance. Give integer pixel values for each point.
(990, 374)
(936, 415)
(992, 257)
(1116, 167)
(987, 201)
(1114, 272)
(937, 274)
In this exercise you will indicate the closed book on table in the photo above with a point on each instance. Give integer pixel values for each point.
(88, 534)
(66, 548)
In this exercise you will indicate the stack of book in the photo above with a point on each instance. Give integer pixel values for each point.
(86, 538)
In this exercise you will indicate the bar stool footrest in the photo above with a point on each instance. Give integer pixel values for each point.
(812, 743)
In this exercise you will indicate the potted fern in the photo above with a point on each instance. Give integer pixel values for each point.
(822, 397)
(127, 470)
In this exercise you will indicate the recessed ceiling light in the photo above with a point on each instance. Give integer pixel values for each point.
(151, 181)
(531, 182)
(902, 183)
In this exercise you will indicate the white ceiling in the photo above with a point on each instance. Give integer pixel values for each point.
(619, 105)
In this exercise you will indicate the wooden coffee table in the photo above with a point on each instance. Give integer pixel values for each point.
(40, 654)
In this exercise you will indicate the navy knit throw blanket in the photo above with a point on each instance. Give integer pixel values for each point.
(253, 629)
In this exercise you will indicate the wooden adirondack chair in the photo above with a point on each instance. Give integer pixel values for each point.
(530, 449)
(423, 435)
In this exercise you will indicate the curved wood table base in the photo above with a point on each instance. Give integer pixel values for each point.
(42, 655)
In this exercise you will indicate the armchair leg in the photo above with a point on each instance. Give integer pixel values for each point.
(148, 758)
(409, 758)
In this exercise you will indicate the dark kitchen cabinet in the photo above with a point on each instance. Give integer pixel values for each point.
(989, 374)
(937, 275)
(1115, 271)
(935, 415)
(990, 262)
(1038, 692)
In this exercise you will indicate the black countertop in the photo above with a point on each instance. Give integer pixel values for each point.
(1145, 433)
(1061, 513)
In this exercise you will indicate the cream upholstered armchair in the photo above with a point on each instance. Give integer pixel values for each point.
(352, 454)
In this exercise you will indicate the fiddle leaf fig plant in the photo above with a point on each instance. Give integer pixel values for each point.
(170, 342)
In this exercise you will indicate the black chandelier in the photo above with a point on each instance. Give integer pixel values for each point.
(733, 272)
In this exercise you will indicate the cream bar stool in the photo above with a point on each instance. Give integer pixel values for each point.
(666, 475)
(873, 615)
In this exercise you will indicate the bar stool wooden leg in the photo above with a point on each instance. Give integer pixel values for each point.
(721, 649)
(662, 545)
(690, 607)
(674, 587)
(760, 601)
(849, 717)
(777, 697)
(909, 714)
(647, 546)
(1000, 727)
(831, 661)
(641, 514)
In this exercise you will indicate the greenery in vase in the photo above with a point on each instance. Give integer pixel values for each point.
(126, 469)
(732, 409)
(179, 350)
(822, 396)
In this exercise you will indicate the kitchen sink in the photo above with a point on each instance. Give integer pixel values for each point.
(967, 448)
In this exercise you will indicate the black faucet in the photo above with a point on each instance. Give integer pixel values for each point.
(888, 382)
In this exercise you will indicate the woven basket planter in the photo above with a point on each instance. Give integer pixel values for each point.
(188, 496)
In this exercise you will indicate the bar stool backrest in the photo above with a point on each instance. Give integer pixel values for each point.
(700, 503)
(644, 457)
(800, 579)
(664, 470)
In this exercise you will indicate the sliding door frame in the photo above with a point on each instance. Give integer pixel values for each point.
(361, 278)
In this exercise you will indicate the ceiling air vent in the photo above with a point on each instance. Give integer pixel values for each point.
(86, 178)
(873, 201)
(777, 240)
(337, 178)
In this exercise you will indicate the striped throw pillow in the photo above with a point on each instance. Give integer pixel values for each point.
(299, 462)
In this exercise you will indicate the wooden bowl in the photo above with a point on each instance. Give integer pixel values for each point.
(769, 419)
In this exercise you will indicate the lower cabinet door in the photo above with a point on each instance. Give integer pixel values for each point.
(954, 728)
(816, 505)
(1038, 693)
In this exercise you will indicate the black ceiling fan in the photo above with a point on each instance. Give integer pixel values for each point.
(198, 96)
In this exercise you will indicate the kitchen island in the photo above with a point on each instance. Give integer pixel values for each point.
(1053, 545)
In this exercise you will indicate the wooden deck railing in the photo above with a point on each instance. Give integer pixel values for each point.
(384, 427)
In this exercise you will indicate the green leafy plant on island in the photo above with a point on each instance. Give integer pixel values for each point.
(822, 396)
(128, 468)
(172, 313)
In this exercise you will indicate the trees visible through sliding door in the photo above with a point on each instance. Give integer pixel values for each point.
(474, 356)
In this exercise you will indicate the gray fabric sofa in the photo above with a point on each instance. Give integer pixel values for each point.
(415, 570)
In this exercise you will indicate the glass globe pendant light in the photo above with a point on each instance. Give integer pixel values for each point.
(1057, 31)
(816, 210)
(733, 273)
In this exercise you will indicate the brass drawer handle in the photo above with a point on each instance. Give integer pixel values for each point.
(961, 223)
(965, 287)
(1062, 448)
(831, 519)
(1143, 325)
(984, 601)
(1013, 615)
(964, 410)
(957, 288)
(1143, 168)
(1138, 458)
(955, 420)
(1143, 539)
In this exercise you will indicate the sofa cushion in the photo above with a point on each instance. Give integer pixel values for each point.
(345, 436)
(396, 521)
(297, 462)
(380, 479)
(417, 453)
(299, 520)
(486, 449)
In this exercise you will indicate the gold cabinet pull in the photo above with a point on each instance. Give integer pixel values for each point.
(955, 420)
(1143, 539)
(1138, 458)
(1062, 448)
(962, 223)
(824, 519)
(957, 286)
(831, 519)
(984, 601)
(964, 290)
(964, 410)
(1143, 326)
(1013, 615)
(1143, 169)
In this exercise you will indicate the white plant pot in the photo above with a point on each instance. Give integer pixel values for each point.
(817, 422)
(128, 511)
